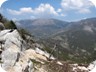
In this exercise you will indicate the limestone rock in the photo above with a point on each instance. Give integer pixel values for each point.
(22, 66)
(12, 45)
(16, 57)
(2, 70)
(92, 66)
(9, 57)
(11, 37)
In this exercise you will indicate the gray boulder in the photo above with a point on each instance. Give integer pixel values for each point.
(12, 45)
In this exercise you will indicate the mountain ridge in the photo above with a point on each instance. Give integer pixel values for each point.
(40, 27)
(75, 40)
(36, 25)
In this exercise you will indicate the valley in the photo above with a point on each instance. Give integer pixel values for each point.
(75, 41)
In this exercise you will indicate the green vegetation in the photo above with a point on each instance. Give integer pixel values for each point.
(24, 33)
(54, 67)
(34, 61)
(10, 25)
(76, 43)
(3, 19)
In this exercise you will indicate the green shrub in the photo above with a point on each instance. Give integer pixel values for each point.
(24, 33)
(10, 25)
(3, 19)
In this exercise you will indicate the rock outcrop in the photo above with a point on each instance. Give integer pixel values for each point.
(15, 56)
(92, 67)
(2, 70)
(11, 47)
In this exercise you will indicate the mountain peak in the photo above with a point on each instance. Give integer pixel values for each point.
(43, 22)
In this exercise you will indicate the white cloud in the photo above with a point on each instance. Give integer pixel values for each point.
(21, 11)
(77, 5)
(59, 10)
(84, 11)
(42, 9)
(94, 2)
(26, 10)
(45, 8)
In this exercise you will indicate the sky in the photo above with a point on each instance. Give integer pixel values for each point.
(67, 10)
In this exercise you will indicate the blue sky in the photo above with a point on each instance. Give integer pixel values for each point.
(67, 10)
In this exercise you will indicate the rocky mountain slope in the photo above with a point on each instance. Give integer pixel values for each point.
(76, 42)
(92, 66)
(16, 56)
(73, 40)
(42, 28)
(19, 52)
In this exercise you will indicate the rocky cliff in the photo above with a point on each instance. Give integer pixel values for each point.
(11, 47)
(16, 56)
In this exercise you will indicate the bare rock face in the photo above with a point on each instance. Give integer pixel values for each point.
(2, 70)
(92, 67)
(15, 56)
(12, 37)
(23, 66)
(9, 58)
(11, 46)
(14, 53)
(11, 49)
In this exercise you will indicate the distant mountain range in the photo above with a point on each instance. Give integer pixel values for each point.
(74, 40)
(43, 27)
